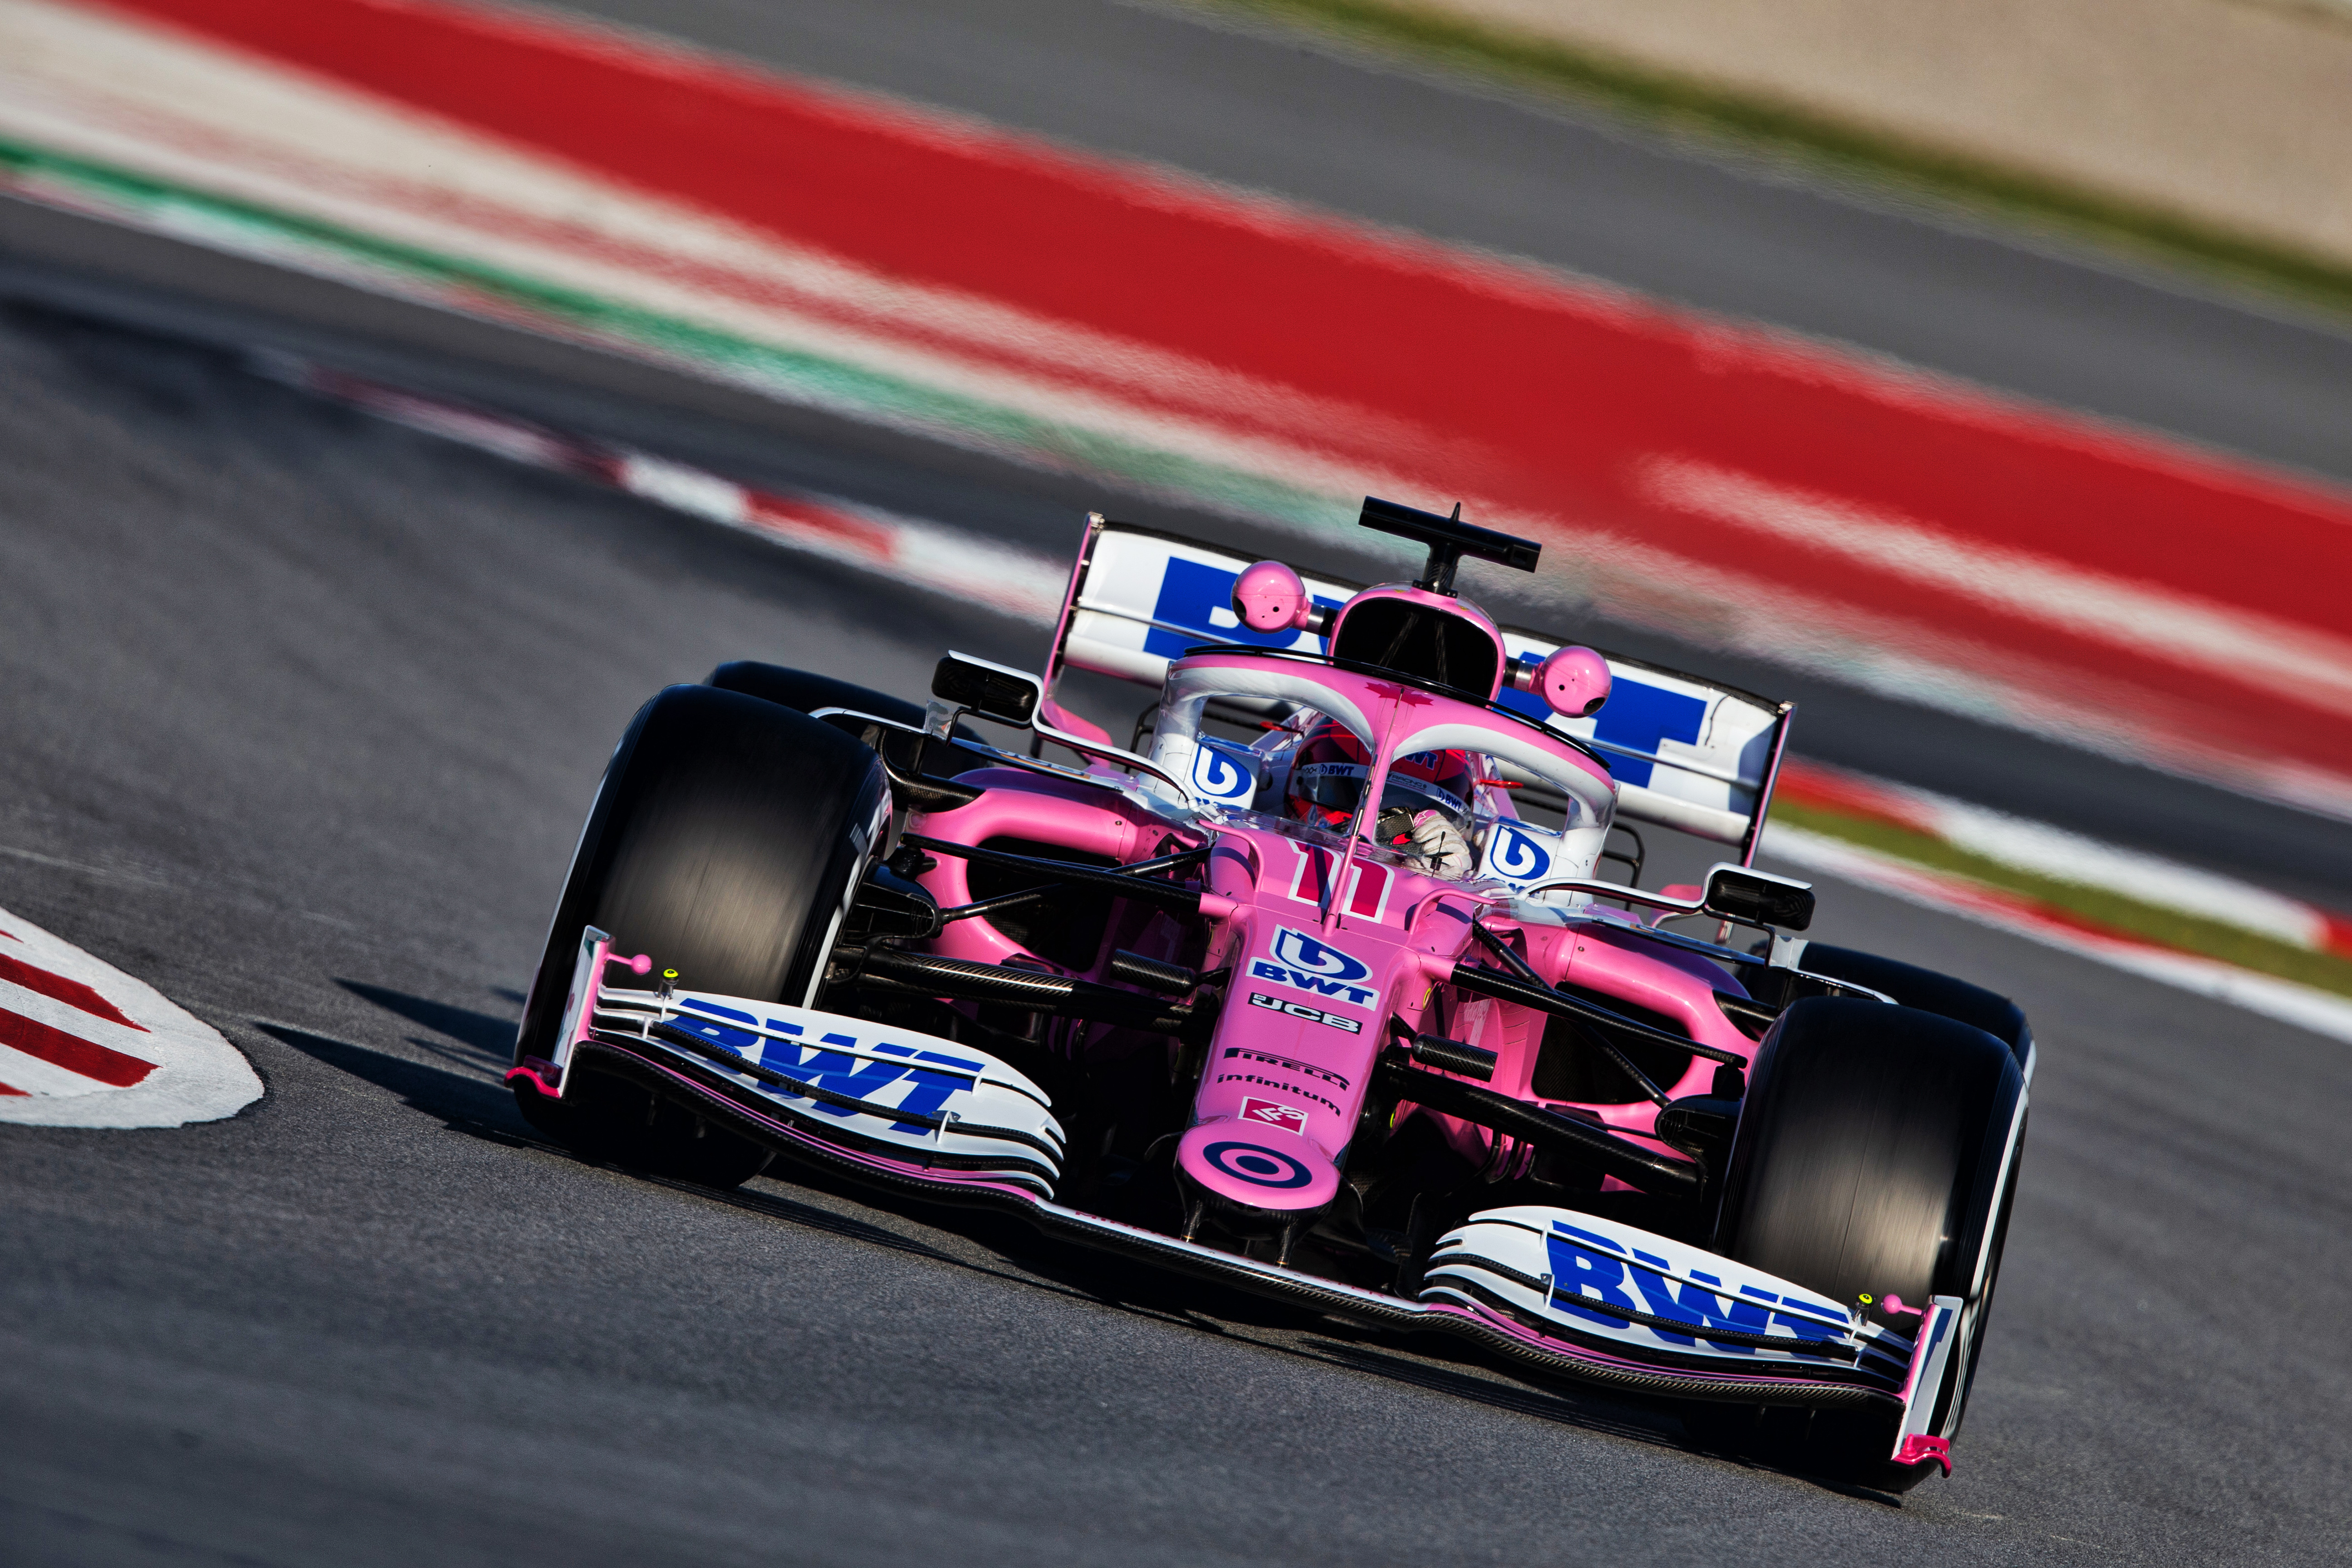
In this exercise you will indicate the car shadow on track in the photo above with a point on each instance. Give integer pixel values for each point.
(460, 1099)
(482, 1039)
(1437, 1362)
(1024, 1256)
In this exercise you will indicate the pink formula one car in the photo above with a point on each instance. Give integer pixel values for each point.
(1313, 989)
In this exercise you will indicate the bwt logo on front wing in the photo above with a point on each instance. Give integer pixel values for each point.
(1305, 964)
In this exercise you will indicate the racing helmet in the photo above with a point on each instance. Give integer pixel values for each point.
(1332, 767)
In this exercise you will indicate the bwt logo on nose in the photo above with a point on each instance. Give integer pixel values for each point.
(1304, 963)
(1301, 951)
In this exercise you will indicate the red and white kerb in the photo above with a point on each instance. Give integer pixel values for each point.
(84, 1045)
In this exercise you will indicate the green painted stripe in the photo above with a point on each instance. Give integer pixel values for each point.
(2126, 915)
(836, 384)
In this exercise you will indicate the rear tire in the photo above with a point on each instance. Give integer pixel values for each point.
(1876, 1154)
(726, 840)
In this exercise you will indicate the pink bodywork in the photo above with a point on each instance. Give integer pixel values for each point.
(1270, 596)
(1320, 954)
(1919, 1448)
(1329, 950)
(1572, 680)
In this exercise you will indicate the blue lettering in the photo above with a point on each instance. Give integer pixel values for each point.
(1359, 995)
(1301, 950)
(1744, 1316)
(1710, 1310)
(1315, 984)
(1694, 1305)
(962, 1064)
(1810, 1331)
(780, 1056)
(1576, 1269)
(837, 1070)
(1656, 1290)
(932, 1087)
(740, 1042)
(842, 1073)
(1638, 717)
(1223, 771)
(1191, 593)
(1700, 1307)
(1516, 855)
(932, 1090)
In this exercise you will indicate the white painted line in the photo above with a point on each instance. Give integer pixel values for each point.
(2321, 1012)
(912, 551)
(2063, 856)
(84, 1045)
(2211, 638)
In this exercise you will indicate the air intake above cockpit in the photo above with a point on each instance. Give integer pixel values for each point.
(1417, 640)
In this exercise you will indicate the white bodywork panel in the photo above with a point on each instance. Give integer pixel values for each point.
(1688, 753)
(1596, 1279)
(890, 1091)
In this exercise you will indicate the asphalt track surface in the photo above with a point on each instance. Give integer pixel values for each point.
(304, 711)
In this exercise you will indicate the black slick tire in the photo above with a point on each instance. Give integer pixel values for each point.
(805, 692)
(726, 840)
(1928, 991)
(1876, 1154)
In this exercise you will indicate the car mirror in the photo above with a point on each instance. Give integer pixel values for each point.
(1758, 898)
(992, 691)
(1572, 681)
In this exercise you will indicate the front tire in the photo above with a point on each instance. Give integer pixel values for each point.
(1876, 1155)
(1928, 991)
(726, 840)
(807, 692)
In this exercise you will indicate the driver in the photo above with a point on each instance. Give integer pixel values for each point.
(1424, 808)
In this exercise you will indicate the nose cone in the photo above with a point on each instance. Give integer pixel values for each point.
(1249, 1173)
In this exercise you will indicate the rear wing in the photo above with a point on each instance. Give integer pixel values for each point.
(1688, 753)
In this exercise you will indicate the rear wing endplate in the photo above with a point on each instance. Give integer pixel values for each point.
(1688, 753)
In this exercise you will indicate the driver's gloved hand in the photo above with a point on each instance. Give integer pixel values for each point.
(1439, 847)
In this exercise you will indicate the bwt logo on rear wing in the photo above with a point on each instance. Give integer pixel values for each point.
(1687, 752)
